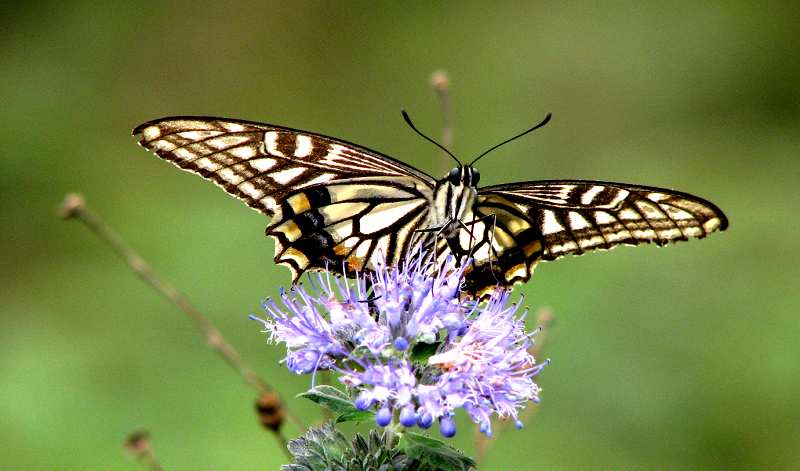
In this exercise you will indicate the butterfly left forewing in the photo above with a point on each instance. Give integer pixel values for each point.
(262, 163)
(332, 203)
(546, 220)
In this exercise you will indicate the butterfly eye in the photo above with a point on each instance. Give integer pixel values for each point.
(476, 176)
(455, 176)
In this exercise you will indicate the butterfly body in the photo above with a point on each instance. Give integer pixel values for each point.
(453, 199)
(336, 204)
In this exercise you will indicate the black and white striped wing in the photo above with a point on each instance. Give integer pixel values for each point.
(545, 220)
(348, 225)
(331, 201)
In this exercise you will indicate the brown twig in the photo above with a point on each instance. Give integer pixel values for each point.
(137, 445)
(441, 85)
(74, 207)
(482, 443)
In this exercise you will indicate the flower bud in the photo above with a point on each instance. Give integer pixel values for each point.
(384, 416)
(408, 418)
(447, 427)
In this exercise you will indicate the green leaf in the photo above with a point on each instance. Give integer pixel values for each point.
(330, 397)
(356, 415)
(338, 402)
(436, 453)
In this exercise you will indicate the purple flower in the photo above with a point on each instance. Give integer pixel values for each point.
(403, 339)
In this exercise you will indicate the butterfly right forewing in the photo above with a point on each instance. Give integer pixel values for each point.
(546, 220)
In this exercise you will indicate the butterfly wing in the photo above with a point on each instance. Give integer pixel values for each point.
(331, 201)
(522, 223)
(348, 224)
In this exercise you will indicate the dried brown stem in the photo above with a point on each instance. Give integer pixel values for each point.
(74, 207)
(137, 445)
(441, 85)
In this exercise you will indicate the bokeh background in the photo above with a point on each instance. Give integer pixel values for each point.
(676, 358)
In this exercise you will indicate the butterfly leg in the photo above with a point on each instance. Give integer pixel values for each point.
(438, 233)
(369, 295)
(472, 223)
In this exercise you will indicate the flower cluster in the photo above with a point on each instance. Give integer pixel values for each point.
(407, 345)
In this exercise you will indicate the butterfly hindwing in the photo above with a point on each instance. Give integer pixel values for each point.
(348, 225)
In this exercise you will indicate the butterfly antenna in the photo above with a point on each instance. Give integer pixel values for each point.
(544, 121)
(411, 125)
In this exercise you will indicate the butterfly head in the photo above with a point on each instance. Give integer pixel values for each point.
(464, 175)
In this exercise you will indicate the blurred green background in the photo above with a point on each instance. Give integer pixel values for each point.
(677, 358)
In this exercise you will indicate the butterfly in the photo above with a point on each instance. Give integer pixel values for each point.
(333, 203)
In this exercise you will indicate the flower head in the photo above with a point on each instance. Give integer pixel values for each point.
(402, 339)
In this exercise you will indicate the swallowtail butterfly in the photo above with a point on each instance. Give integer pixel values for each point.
(334, 203)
